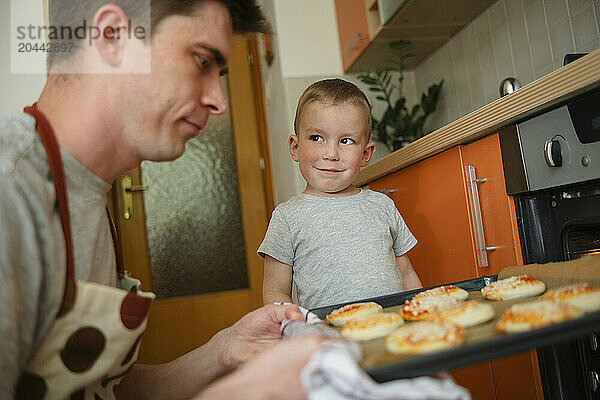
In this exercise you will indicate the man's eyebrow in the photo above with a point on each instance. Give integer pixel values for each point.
(216, 53)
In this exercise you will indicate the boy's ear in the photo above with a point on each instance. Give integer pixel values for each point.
(367, 153)
(293, 144)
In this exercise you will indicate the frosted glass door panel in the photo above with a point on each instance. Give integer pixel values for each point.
(193, 218)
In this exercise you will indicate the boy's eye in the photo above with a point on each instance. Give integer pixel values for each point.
(347, 141)
(315, 138)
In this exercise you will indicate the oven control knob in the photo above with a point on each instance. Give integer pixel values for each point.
(594, 380)
(553, 153)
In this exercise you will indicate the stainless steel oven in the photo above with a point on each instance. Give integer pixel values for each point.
(552, 169)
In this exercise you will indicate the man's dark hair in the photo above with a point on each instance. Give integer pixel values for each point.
(246, 16)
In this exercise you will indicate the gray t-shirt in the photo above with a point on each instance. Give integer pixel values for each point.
(340, 249)
(32, 248)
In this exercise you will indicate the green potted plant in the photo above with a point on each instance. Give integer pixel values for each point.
(399, 125)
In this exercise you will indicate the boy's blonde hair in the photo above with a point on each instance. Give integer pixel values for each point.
(334, 92)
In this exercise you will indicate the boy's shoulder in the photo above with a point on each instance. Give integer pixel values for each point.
(291, 204)
(378, 197)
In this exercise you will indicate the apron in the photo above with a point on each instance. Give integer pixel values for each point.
(94, 340)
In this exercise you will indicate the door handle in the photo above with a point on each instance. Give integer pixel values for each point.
(127, 190)
(477, 221)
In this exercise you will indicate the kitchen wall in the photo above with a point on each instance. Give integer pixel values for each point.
(524, 39)
(306, 50)
(17, 89)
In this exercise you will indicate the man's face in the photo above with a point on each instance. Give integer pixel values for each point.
(169, 106)
(330, 147)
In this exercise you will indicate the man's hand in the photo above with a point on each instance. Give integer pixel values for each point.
(255, 332)
(187, 375)
(274, 374)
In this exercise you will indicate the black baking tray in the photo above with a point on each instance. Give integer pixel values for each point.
(471, 353)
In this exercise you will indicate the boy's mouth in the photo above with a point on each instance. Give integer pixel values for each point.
(329, 170)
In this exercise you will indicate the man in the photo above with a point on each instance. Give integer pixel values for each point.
(107, 117)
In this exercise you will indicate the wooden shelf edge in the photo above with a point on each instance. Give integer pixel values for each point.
(542, 94)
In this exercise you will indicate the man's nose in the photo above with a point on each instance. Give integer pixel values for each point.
(213, 96)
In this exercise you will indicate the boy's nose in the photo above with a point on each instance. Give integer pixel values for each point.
(331, 153)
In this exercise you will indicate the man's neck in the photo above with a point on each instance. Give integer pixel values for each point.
(84, 125)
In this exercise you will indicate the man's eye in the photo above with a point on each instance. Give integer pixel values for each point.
(203, 61)
(315, 138)
(347, 141)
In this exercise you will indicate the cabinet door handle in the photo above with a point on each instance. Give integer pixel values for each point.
(481, 248)
(354, 43)
(387, 191)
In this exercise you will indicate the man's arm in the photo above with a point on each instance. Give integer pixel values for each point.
(275, 374)
(27, 302)
(187, 375)
(277, 281)
(409, 275)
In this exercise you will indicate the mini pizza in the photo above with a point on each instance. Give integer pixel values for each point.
(447, 290)
(371, 326)
(468, 313)
(581, 295)
(514, 287)
(535, 314)
(344, 314)
(424, 337)
(426, 307)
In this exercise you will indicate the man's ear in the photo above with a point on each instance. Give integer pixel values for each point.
(109, 33)
(367, 153)
(294, 146)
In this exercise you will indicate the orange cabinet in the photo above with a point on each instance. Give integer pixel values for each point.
(430, 195)
(455, 203)
(353, 29)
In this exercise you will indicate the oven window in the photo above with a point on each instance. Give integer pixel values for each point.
(580, 240)
(586, 118)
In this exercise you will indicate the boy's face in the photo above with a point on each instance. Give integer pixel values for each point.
(330, 147)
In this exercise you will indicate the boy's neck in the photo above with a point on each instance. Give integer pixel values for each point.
(349, 191)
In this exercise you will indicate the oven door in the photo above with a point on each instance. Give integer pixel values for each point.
(561, 224)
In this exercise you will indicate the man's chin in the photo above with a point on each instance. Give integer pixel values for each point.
(173, 154)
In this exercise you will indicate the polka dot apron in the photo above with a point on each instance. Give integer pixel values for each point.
(94, 340)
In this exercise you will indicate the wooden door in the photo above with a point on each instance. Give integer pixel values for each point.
(515, 377)
(177, 325)
(353, 29)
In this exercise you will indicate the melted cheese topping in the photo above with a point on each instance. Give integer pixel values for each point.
(341, 315)
(513, 287)
(425, 336)
(566, 292)
(460, 308)
(525, 316)
(372, 321)
(427, 306)
(446, 290)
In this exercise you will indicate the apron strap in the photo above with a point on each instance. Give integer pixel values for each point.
(42, 125)
(115, 237)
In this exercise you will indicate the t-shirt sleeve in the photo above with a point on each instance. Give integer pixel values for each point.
(20, 283)
(278, 240)
(403, 237)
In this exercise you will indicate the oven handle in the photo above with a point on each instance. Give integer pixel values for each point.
(477, 221)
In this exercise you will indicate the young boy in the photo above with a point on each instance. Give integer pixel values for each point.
(338, 243)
